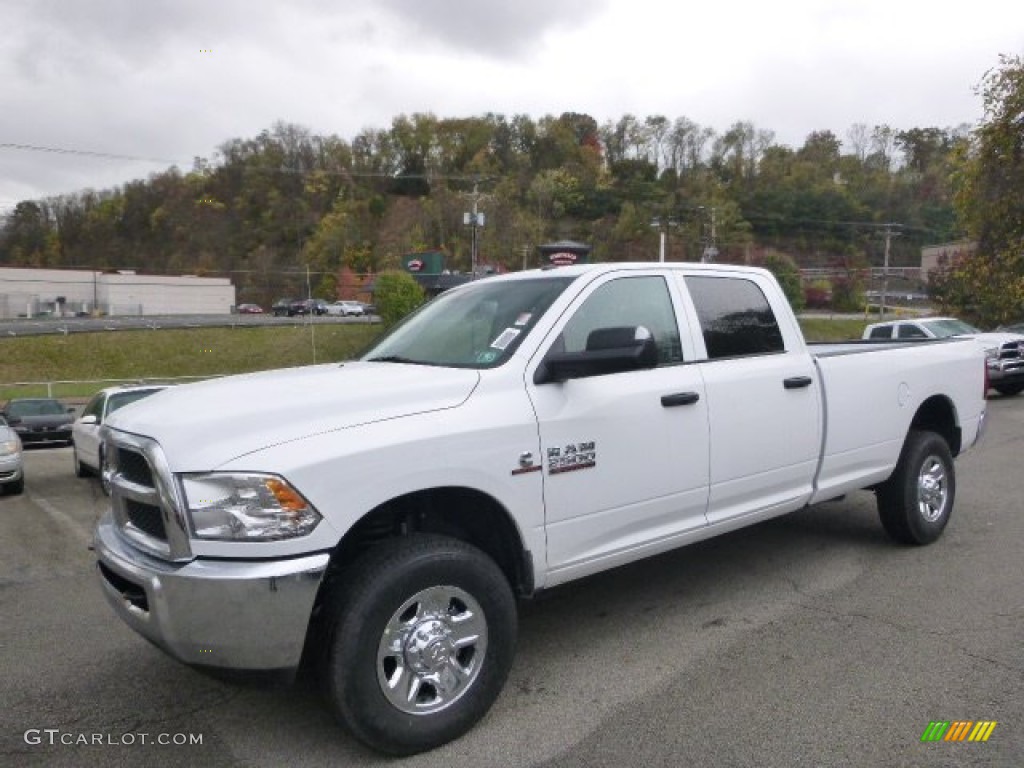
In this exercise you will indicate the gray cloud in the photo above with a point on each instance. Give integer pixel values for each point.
(497, 28)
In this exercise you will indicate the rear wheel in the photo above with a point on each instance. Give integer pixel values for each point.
(419, 644)
(916, 502)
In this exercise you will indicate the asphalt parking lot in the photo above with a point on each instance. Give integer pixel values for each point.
(806, 641)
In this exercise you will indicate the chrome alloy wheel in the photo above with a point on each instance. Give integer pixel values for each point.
(432, 650)
(932, 489)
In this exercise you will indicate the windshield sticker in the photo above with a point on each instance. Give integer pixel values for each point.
(523, 319)
(488, 356)
(571, 457)
(507, 337)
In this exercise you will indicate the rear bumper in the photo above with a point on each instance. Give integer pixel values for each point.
(226, 614)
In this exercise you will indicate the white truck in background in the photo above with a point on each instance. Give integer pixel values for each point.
(1004, 350)
(379, 518)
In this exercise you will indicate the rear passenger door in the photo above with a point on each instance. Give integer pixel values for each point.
(764, 399)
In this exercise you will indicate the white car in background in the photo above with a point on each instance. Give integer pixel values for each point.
(85, 432)
(12, 476)
(345, 309)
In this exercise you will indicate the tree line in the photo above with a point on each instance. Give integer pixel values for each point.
(288, 205)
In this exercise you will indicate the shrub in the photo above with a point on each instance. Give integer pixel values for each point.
(396, 294)
(788, 274)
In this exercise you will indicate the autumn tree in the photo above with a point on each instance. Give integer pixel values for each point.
(989, 193)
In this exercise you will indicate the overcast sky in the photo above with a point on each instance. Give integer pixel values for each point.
(168, 80)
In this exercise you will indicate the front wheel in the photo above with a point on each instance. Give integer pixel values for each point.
(80, 469)
(915, 503)
(420, 643)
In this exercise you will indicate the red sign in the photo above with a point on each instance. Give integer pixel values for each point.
(563, 258)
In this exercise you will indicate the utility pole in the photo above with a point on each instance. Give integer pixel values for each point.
(474, 219)
(888, 234)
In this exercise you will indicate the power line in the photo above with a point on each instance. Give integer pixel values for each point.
(83, 153)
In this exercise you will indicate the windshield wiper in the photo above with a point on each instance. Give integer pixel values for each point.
(393, 359)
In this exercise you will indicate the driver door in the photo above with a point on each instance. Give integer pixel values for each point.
(625, 454)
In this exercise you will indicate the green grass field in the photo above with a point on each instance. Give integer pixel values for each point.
(95, 360)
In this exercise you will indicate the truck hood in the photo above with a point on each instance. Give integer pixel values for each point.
(203, 425)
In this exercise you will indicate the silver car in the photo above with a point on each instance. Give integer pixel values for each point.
(85, 432)
(12, 474)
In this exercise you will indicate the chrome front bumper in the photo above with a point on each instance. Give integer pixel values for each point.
(229, 614)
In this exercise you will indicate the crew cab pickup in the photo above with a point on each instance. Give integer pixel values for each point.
(378, 518)
(1004, 350)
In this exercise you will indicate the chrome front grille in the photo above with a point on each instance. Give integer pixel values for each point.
(134, 467)
(144, 497)
(147, 518)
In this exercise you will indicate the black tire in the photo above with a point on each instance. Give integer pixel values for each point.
(915, 503)
(16, 488)
(420, 591)
(80, 469)
(1008, 389)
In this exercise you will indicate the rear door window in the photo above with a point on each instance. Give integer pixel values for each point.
(735, 317)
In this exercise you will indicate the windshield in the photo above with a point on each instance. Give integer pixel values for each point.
(121, 399)
(23, 408)
(476, 326)
(949, 327)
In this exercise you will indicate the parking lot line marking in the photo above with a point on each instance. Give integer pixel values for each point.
(82, 534)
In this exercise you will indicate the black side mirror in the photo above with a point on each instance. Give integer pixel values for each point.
(609, 350)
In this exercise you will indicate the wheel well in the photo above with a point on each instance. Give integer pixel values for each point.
(937, 414)
(462, 513)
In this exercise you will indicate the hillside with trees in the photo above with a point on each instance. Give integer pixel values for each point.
(270, 209)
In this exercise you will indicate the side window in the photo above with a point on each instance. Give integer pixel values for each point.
(627, 301)
(907, 331)
(735, 317)
(94, 408)
(884, 332)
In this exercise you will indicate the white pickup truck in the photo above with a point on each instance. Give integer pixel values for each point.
(380, 517)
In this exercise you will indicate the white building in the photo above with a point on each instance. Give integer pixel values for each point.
(32, 292)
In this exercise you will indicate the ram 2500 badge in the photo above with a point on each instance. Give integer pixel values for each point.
(379, 518)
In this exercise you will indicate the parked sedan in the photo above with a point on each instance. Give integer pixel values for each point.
(249, 309)
(12, 474)
(85, 433)
(307, 307)
(282, 307)
(345, 309)
(39, 420)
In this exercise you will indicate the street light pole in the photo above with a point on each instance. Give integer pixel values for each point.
(711, 249)
(662, 224)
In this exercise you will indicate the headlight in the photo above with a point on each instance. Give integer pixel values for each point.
(246, 507)
(10, 447)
